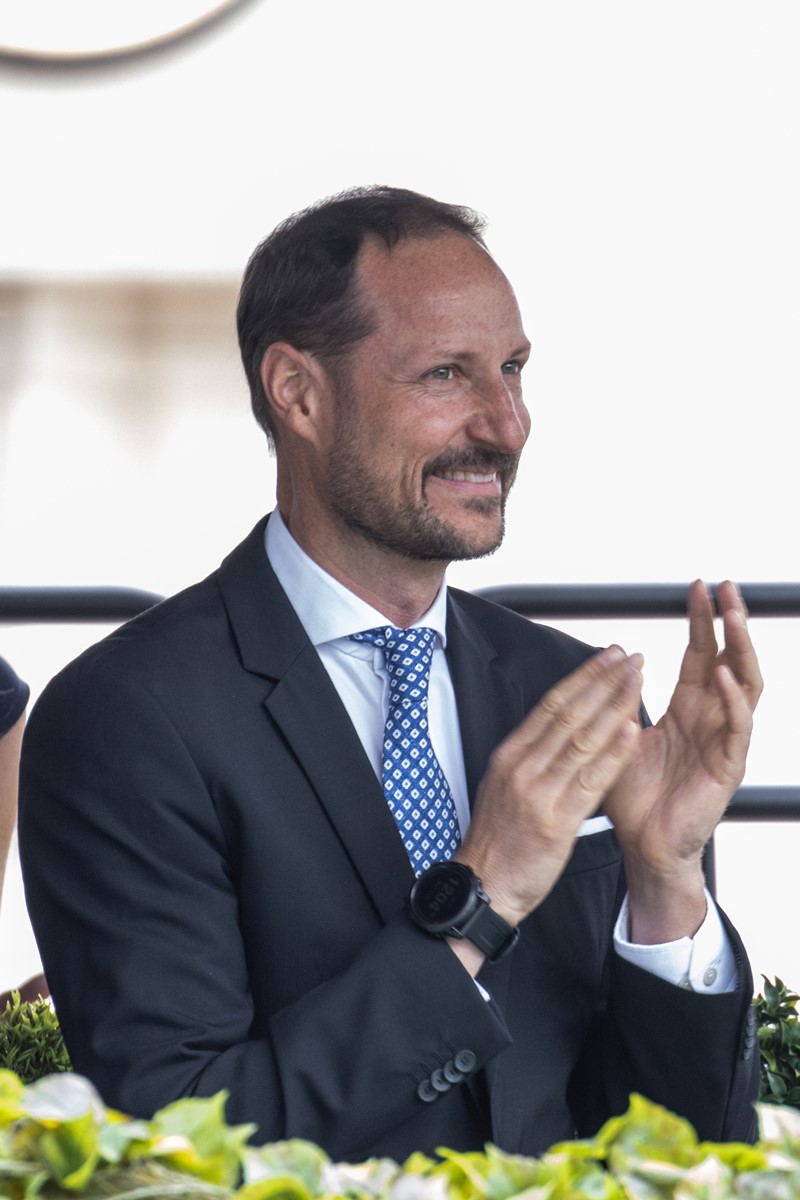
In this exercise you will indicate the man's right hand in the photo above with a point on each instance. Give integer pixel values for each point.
(545, 779)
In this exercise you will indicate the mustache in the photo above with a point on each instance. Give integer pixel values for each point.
(477, 459)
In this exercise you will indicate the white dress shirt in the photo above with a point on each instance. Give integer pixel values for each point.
(329, 612)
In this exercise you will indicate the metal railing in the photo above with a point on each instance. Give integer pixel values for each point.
(51, 605)
(646, 600)
(72, 605)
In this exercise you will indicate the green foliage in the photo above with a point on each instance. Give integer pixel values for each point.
(779, 1044)
(31, 1043)
(58, 1140)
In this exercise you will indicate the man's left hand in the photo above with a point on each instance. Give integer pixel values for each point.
(668, 801)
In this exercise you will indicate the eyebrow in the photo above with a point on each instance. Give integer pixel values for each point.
(466, 355)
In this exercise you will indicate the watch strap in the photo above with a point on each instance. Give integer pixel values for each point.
(487, 930)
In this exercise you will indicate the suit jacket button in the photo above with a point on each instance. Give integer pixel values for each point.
(427, 1092)
(465, 1061)
(451, 1072)
(439, 1081)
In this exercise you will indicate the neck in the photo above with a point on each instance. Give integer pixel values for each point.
(401, 588)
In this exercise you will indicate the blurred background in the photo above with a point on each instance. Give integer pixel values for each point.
(638, 163)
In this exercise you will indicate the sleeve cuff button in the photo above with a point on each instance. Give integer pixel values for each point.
(465, 1061)
(451, 1072)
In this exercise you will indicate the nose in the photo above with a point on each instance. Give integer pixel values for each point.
(500, 418)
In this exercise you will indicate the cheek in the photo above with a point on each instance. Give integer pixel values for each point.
(410, 442)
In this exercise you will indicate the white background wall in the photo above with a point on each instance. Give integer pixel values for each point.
(638, 162)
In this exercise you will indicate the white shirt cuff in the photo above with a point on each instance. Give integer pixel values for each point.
(704, 963)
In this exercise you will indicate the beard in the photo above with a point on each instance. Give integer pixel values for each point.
(411, 528)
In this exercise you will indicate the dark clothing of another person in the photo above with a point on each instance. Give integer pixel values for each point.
(14, 695)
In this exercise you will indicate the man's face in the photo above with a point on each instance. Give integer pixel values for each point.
(429, 420)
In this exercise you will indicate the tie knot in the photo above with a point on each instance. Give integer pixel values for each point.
(406, 650)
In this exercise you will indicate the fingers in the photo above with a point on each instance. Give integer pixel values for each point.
(738, 713)
(701, 653)
(588, 734)
(739, 653)
(579, 736)
(549, 775)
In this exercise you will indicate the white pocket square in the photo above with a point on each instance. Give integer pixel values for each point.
(594, 825)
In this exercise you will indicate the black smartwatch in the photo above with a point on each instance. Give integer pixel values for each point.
(449, 901)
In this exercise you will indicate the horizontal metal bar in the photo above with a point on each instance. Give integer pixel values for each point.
(649, 600)
(27, 605)
(765, 804)
(635, 600)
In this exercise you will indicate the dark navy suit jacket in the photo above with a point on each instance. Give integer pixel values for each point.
(218, 891)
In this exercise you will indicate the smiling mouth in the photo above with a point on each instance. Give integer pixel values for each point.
(479, 467)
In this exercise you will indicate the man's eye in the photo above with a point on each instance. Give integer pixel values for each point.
(442, 373)
(511, 368)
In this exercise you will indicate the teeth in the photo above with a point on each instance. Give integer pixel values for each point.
(468, 477)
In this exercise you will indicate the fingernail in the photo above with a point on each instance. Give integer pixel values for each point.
(614, 654)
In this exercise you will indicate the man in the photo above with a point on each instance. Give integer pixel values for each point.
(218, 859)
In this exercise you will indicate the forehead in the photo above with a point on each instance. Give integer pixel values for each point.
(437, 285)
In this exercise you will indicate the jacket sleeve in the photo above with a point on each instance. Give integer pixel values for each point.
(696, 1055)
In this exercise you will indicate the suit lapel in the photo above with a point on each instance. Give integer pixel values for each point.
(305, 706)
(489, 704)
(307, 709)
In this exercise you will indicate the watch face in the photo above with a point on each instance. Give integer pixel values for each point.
(443, 894)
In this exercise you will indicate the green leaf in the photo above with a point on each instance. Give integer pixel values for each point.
(69, 1151)
(191, 1135)
(777, 1086)
(11, 1090)
(117, 1135)
(647, 1130)
(280, 1187)
(296, 1157)
(739, 1155)
(63, 1097)
(418, 1163)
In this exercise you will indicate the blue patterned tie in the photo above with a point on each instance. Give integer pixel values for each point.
(413, 781)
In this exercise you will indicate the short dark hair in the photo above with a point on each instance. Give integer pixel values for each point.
(298, 286)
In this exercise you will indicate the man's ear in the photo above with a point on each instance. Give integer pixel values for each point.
(293, 383)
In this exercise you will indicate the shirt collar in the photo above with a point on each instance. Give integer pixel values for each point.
(326, 608)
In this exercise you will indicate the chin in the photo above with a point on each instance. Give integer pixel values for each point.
(459, 544)
(477, 537)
